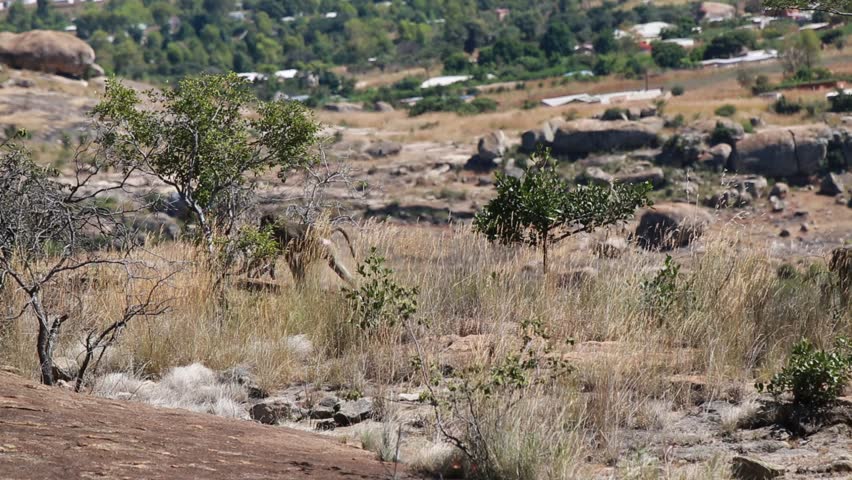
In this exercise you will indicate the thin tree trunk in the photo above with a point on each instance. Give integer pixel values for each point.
(544, 254)
(44, 342)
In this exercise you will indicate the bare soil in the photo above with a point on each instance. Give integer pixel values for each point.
(54, 433)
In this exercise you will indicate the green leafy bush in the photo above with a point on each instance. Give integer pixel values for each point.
(723, 134)
(782, 106)
(726, 110)
(660, 292)
(842, 102)
(541, 208)
(678, 90)
(815, 377)
(379, 301)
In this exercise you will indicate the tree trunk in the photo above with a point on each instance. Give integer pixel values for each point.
(44, 342)
(544, 255)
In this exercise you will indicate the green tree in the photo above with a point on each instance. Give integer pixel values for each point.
(199, 141)
(558, 40)
(801, 52)
(668, 54)
(541, 209)
(835, 7)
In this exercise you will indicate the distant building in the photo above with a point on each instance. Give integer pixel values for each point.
(584, 49)
(683, 42)
(286, 74)
(751, 56)
(815, 26)
(605, 98)
(252, 76)
(444, 81)
(650, 31)
(716, 11)
(502, 13)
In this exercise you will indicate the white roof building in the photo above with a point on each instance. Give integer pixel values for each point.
(605, 98)
(751, 56)
(651, 30)
(444, 81)
(286, 74)
(683, 42)
(252, 76)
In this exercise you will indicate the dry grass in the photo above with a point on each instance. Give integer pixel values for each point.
(735, 320)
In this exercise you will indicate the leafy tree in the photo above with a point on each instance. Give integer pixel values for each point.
(815, 377)
(801, 52)
(541, 208)
(730, 44)
(199, 140)
(667, 54)
(558, 40)
(834, 7)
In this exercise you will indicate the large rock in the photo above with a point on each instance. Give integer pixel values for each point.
(273, 411)
(831, 185)
(707, 127)
(48, 51)
(383, 148)
(343, 107)
(655, 176)
(351, 413)
(492, 146)
(383, 107)
(580, 137)
(671, 225)
(594, 176)
(783, 152)
(537, 137)
(750, 468)
(157, 225)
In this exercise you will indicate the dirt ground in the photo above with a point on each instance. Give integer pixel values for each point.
(54, 433)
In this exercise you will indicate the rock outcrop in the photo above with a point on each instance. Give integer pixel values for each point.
(783, 152)
(671, 225)
(581, 137)
(49, 51)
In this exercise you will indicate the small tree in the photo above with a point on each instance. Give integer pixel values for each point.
(801, 52)
(541, 208)
(200, 139)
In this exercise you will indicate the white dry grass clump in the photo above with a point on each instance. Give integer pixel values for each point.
(193, 387)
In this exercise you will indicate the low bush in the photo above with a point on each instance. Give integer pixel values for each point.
(726, 110)
(814, 377)
(678, 90)
(782, 106)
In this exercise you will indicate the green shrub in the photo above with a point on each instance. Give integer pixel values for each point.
(379, 301)
(782, 106)
(678, 90)
(842, 102)
(815, 377)
(660, 292)
(614, 113)
(723, 134)
(726, 110)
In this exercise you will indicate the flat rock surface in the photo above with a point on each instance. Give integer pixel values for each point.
(54, 433)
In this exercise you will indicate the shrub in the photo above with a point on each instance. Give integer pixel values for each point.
(660, 292)
(782, 106)
(722, 134)
(815, 377)
(678, 90)
(540, 209)
(726, 110)
(842, 102)
(379, 301)
(614, 113)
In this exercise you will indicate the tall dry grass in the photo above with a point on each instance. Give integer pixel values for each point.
(733, 320)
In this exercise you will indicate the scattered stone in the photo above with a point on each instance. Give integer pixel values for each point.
(383, 149)
(671, 225)
(831, 185)
(243, 377)
(750, 468)
(65, 368)
(537, 137)
(648, 112)
(273, 411)
(840, 200)
(612, 247)
(343, 107)
(351, 413)
(492, 146)
(595, 176)
(754, 185)
(776, 204)
(780, 190)
(383, 107)
(409, 397)
(19, 82)
(326, 408)
(757, 122)
(482, 165)
(784, 233)
(325, 425)
(576, 277)
(804, 228)
(654, 176)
